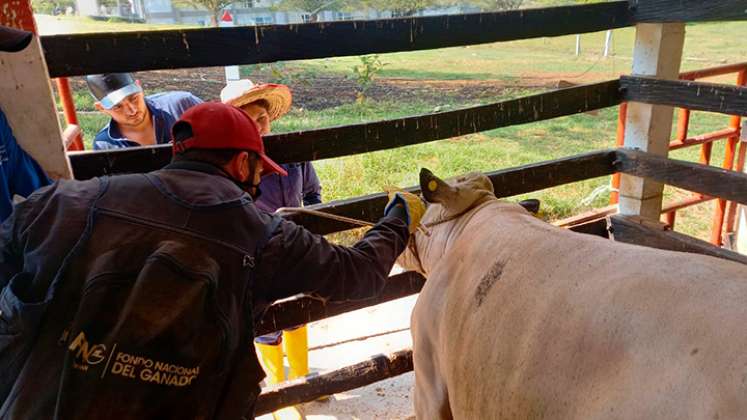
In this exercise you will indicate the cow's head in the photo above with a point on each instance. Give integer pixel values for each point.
(448, 201)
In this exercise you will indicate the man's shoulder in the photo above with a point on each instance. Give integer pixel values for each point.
(174, 98)
(103, 141)
(75, 191)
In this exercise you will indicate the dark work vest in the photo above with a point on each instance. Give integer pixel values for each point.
(152, 318)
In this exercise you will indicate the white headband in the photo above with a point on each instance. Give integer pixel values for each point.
(113, 98)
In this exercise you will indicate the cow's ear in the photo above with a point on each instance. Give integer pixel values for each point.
(434, 189)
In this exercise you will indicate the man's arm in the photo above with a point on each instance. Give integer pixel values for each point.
(181, 102)
(24, 174)
(312, 189)
(297, 261)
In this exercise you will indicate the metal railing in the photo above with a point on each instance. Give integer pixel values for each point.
(731, 134)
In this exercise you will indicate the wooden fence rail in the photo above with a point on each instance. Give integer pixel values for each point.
(350, 377)
(333, 142)
(654, 234)
(79, 54)
(700, 96)
(709, 180)
(304, 310)
(506, 183)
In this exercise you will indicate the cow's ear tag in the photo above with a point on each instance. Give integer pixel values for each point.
(432, 185)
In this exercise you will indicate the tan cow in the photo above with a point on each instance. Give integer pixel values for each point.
(522, 320)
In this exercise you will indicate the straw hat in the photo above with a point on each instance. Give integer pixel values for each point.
(241, 92)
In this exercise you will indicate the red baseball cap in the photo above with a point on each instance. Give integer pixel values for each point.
(215, 125)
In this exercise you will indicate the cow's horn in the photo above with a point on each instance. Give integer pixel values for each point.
(433, 187)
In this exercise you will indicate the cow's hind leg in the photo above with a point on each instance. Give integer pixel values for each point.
(431, 395)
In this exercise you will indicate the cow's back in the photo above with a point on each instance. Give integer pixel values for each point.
(524, 320)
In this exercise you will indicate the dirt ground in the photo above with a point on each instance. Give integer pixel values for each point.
(326, 91)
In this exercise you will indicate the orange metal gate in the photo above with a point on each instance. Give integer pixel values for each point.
(731, 134)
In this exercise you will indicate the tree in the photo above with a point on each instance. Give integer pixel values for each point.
(51, 6)
(497, 5)
(402, 7)
(214, 7)
(312, 7)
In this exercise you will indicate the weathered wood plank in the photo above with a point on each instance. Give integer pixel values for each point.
(688, 10)
(368, 137)
(709, 180)
(27, 100)
(700, 96)
(506, 182)
(363, 138)
(378, 368)
(596, 227)
(638, 231)
(304, 310)
(79, 54)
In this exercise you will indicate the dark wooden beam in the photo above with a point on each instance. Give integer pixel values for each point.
(708, 180)
(597, 227)
(638, 231)
(368, 137)
(699, 96)
(91, 164)
(378, 368)
(688, 10)
(506, 183)
(363, 138)
(79, 54)
(304, 310)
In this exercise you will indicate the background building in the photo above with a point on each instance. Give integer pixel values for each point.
(245, 12)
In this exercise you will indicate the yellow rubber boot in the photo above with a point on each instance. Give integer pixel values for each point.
(297, 349)
(272, 361)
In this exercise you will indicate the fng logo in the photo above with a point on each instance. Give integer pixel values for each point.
(86, 355)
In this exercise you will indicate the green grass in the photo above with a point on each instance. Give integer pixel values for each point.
(706, 45)
(53, 25)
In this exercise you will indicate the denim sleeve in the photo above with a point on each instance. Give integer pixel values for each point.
(186, 101)
(25, 175)
(298, 261)
(312, 189)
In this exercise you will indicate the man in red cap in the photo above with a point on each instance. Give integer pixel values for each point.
(135, 296)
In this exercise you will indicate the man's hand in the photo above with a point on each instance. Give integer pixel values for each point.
(71, 132)
(407, 204)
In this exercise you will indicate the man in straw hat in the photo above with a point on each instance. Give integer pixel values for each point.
(265, 103)
(144, 308)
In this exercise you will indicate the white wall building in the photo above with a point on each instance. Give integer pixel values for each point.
(244, 12)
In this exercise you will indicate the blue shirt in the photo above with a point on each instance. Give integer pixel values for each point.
(165, 108)
(19, 174)
(301, 186)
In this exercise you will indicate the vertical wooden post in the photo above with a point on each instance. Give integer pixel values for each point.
(26, 96)
(741, 229)
(608, 43)
(657, 53)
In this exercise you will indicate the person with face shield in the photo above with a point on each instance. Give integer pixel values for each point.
(135, 296)
(135, 119)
